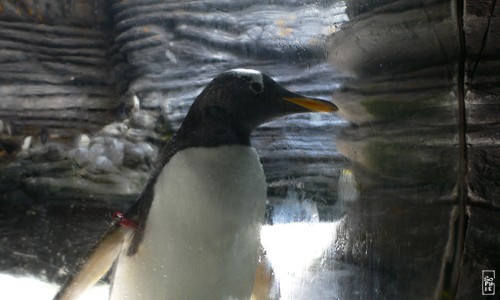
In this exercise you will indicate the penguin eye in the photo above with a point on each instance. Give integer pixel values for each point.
(256, 87)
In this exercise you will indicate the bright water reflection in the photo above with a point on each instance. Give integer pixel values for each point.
(296, 252)
(16, 288)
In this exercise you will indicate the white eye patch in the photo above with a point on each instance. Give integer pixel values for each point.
(254, 76)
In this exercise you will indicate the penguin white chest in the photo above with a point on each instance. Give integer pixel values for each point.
(202, 235)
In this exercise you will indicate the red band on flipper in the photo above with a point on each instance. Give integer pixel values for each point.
(123, 221)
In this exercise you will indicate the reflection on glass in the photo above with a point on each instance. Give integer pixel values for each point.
(400, 235)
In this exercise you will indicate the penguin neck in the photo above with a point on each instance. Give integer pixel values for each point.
(211, 135)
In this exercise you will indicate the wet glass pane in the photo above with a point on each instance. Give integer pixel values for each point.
(393, 196)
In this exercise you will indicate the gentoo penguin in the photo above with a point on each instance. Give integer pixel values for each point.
(194, 231)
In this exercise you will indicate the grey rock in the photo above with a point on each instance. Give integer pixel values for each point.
(80, 156)
(143, 119)
(114, 129)
(96, 150)
(49, 152)
(137, 154)
(102, 164)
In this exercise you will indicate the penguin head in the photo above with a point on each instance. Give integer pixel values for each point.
(237, 101)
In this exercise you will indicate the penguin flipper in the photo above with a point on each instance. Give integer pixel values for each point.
(97, 263)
